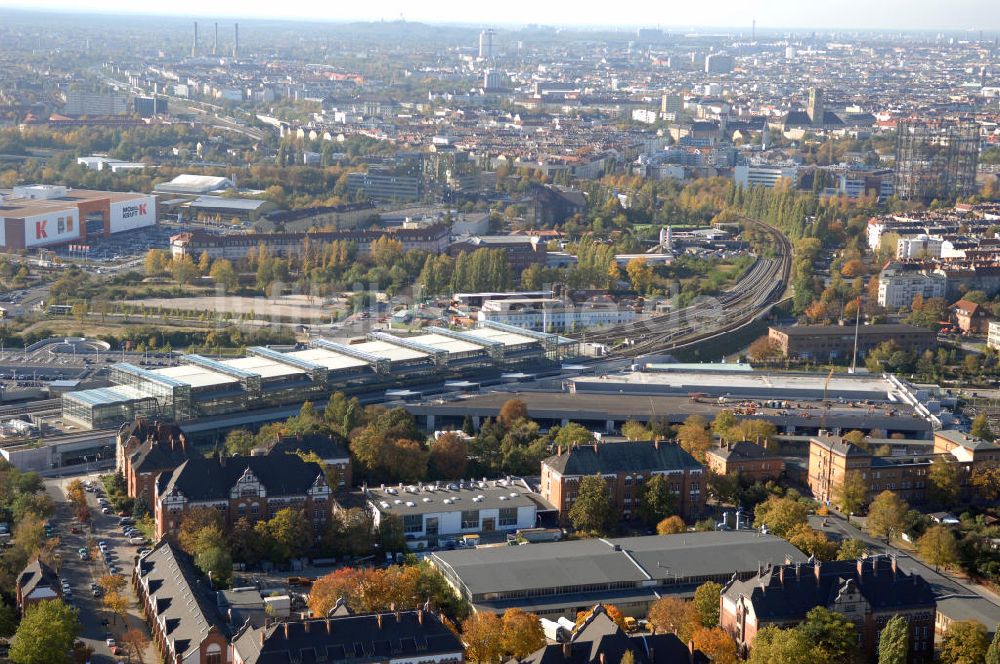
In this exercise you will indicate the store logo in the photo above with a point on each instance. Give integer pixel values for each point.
(40, 230)
(134, 211)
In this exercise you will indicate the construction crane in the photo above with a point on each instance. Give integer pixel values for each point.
(826, 402)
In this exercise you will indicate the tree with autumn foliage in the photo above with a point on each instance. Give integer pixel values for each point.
(449, 456)
(511, 411)
(483, 637)
(522, 633)
(674, 615)
(716, 644)
(672, 525)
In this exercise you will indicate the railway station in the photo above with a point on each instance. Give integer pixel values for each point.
(245, 390)
(796, 403)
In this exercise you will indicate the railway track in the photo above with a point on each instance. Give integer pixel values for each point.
(42, 406)
(706, 317)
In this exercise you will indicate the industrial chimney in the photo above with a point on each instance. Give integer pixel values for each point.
(194, 46)
(236, 43)
(215, 45)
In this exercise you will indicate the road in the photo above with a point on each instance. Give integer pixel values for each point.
(81, 574)
(943, 584)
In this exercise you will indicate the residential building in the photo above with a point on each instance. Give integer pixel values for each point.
(444, 511)
(599, 640)
(832, 461)
(719, 63)
(993, 335)
(144, 450)
(521, 250)
(93, 103)
(391, 637)
(37, 582)
(625, 467)
(971, 317)
(563, 578)
(965, 447)
(899, 283)
(750, 461)
(255, 487)
(180, 608)
(832, 342)
(868, 592)
(919, 247)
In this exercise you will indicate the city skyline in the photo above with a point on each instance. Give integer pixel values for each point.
(971, 16)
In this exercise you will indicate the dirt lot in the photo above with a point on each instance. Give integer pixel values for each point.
(289, 307)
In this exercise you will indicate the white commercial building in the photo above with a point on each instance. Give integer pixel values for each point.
(432, 512)
(764, 175)
(553, 315)
(897, 286)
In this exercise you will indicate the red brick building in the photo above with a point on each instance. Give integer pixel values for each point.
(970, 317)
(868, 592)
(625, 467)
(750, 461)
(181, 611)
(146, 449)
(37, 582)
(255, 487)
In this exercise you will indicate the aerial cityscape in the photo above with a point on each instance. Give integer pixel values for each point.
(442, 333)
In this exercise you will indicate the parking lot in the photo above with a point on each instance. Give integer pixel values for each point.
(98, 623)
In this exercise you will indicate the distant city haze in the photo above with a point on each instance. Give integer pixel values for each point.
(935, 15)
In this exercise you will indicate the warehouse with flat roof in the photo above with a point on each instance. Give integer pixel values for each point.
(563, 578)
(44, 215)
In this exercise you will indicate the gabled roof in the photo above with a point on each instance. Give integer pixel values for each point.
(212, 478)
(325, 447)
(371, 637)
(600, 639)
(643, 457)
(182, 599)
(742, 451)
(37, 575)
(786, 593)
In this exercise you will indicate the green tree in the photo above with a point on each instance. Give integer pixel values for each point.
(834, 634)
(938, 546)
(981, 427)
(706, 603)
(964, 643)
(239, 441)
(592, 510)
(8, 620)
(944, 482)
(574, 434)
(224, 273)
(781, 514)
(656, 500)
(694, 438)
(893, 643)
(852, 494)
(851, 549)
(342, 414)
(887, 515)
(46, 634)
(633, 430)
(993, 652)
(184, 270)
(774, 645)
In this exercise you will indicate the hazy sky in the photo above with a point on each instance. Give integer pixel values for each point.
(973, 15)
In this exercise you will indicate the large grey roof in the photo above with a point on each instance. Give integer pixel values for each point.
(622, 457)
(671, 558)
(180, 597)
